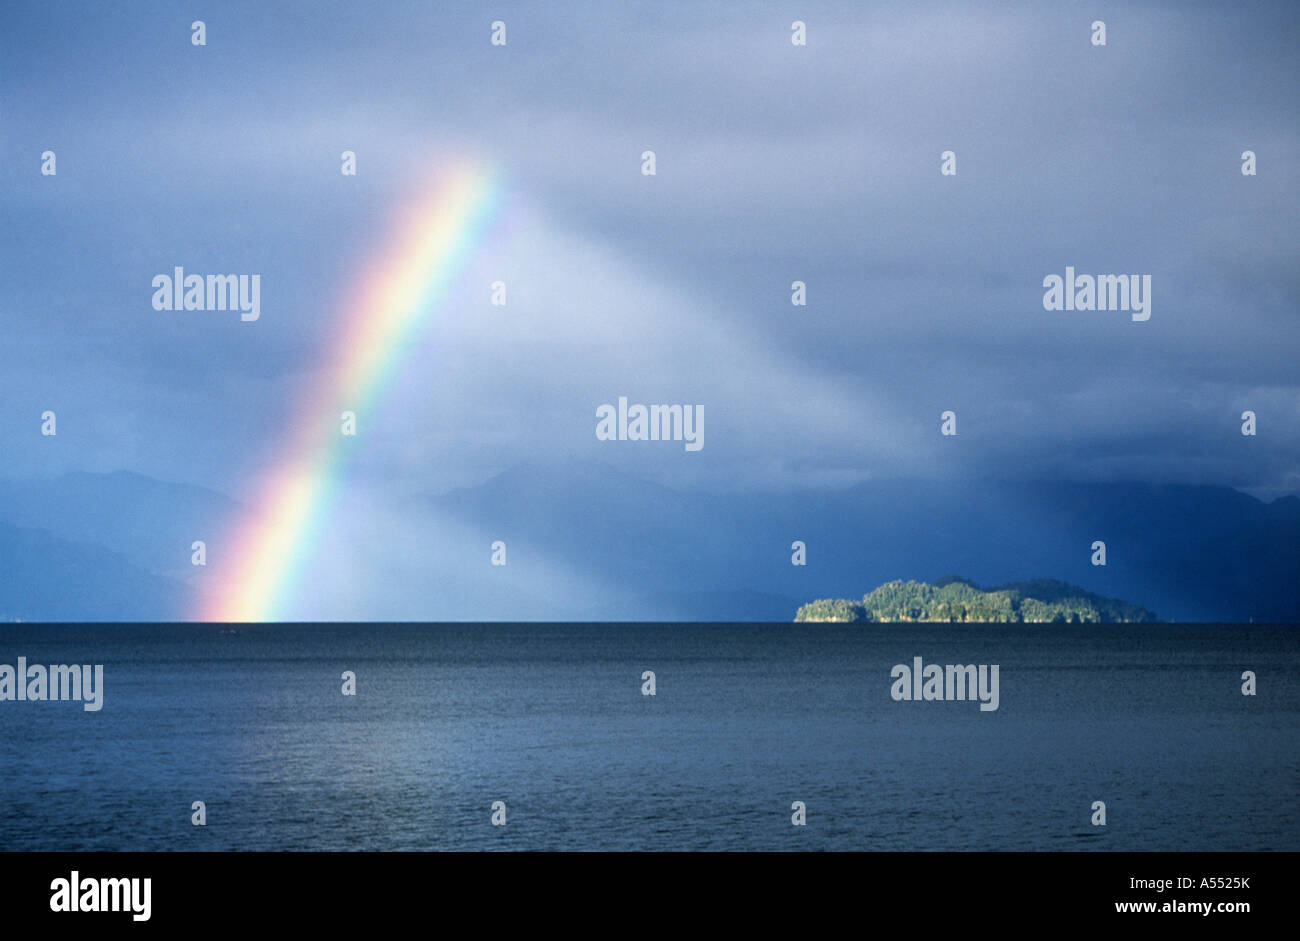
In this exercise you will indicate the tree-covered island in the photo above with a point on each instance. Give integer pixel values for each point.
(955, 599)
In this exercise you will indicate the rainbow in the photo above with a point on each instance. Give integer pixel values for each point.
(272, 542)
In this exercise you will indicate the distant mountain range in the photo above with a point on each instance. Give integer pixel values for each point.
(588, 542)
(1193, 553)
(112, 547)
(956, 600)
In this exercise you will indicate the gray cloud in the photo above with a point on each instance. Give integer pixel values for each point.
(775, 163)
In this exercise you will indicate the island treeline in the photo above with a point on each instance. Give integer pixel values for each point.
(956, 599)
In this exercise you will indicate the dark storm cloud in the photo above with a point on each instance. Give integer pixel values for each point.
(775, 164)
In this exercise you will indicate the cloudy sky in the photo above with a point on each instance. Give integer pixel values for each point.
(775, 163)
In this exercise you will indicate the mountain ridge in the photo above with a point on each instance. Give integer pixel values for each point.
(590, 541)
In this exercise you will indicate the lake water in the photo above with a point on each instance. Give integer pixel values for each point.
(746, 719)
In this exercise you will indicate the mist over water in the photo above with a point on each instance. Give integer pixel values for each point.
(550, 719)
